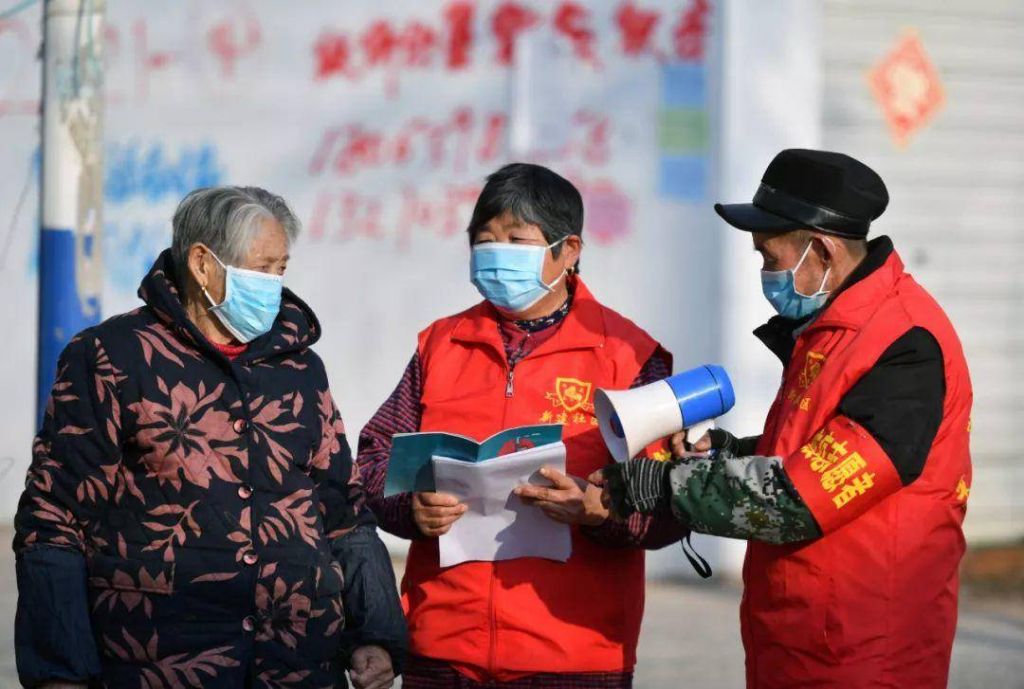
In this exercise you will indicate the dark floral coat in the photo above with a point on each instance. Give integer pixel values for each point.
(191, 521)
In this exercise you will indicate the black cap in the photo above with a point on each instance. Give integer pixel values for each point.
(805, 189)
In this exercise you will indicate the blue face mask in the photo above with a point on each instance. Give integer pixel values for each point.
(779, 287)
(510, 275)
(252, 301)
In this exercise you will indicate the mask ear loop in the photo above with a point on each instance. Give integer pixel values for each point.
(206, 294)
(828, 271)
(550, 287)
(824, 278)
(803, 256)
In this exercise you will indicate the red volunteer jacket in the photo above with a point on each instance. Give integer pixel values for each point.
(873, 602)
(506, 619)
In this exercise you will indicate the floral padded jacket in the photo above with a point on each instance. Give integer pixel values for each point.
(191, 521)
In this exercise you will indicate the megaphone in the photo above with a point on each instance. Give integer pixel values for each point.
(630, 420)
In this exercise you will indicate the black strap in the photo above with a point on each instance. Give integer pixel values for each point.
(699, 564)
(819, 217)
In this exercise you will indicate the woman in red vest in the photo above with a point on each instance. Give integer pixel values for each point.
(533, 352)
(854, 496)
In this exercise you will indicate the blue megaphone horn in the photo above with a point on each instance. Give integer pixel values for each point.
(630, 420)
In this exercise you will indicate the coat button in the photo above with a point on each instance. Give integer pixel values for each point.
(239, 425)
(250, 558)
(249, 623)
(244, 492)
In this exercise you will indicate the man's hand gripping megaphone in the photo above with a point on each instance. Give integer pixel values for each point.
(642, 485)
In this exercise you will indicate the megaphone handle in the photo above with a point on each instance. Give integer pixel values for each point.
(697, 431)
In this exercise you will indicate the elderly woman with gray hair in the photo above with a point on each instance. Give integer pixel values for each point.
(192, 516)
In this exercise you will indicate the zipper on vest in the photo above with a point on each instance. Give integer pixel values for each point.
(511, 359)
(492, 605)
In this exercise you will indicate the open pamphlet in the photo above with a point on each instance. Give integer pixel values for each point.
(410, 469)
(497, 525)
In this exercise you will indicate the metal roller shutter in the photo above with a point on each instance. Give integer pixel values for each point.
(957, 205)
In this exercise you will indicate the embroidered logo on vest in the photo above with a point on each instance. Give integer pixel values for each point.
(963, 491)
(571, 402)
(662, 454)
(812, 369)
(813, 364)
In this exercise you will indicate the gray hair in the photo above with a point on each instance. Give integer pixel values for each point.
(226, 219)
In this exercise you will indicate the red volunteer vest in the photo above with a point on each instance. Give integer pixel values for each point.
(502, 620)
(873, 602)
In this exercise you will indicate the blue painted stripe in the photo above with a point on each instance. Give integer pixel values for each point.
(683, 85)
(683, 177)
(61, 316)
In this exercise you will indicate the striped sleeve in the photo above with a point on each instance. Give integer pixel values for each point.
(400, 413)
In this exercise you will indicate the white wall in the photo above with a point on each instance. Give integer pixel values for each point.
(240, 91)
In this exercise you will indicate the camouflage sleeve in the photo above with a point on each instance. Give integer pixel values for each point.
(746, 497)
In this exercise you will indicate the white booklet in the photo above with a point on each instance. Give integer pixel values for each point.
(498, 525)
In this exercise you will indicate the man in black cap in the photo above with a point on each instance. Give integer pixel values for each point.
(854, 495)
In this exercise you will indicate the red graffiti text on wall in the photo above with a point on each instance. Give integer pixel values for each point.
(392, 47)
(452, 144)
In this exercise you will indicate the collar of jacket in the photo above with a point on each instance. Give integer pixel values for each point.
(854, 300)
(295, 328)
(582, 327)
